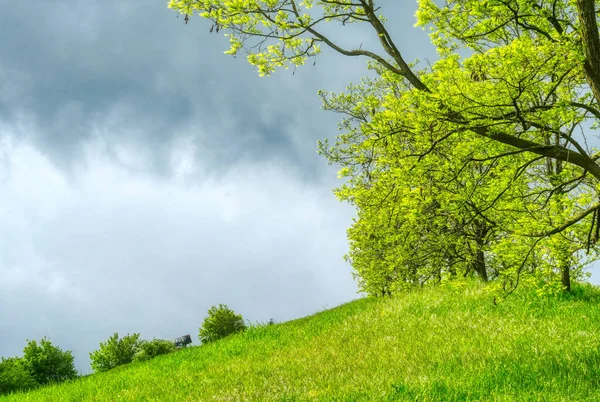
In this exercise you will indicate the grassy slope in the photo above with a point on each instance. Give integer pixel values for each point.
(430, 344)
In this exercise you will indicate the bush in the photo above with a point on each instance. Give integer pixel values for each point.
(48, 363)
(15, 376)
(155, 347)
(221, 322)
(115, 352)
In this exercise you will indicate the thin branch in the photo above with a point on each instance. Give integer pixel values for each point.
(568, 223)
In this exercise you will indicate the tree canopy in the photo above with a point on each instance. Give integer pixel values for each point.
(480, 163)
(47, 363)
(115, 352)
(220, 322)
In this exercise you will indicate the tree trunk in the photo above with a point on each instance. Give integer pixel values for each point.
(591, 44)
(480, 267)
(566, 277)
(481, 230)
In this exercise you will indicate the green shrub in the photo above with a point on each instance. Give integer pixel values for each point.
(155, 347)
(48, 363)
(115, 352)
(15, 376)
(221, 322)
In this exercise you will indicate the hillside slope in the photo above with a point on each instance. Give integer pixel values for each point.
(430, 344)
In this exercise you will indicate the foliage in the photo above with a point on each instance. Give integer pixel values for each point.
(115, 352)
(428, 344)
(477, 164)
(149, 349)
(15, 376)
(220, 322)
(48, 363)
(422, 218)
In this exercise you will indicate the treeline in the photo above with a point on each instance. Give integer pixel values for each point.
(43, 363)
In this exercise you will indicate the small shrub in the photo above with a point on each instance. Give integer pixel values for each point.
(15, 376)
(155, 347)
(221, 322)
(115, 352)
(48, 363)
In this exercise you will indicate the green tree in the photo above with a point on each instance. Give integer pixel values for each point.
(220, 322)
(115, 352)
(516, 87)
(149, 349)
(48, 363)
(15, 376)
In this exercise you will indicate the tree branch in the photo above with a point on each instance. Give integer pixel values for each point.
(568, 223)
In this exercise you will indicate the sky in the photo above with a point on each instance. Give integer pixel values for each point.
(146, 176)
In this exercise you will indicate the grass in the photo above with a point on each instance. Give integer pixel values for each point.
(432, 344)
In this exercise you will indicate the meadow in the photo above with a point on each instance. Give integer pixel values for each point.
(429, 344)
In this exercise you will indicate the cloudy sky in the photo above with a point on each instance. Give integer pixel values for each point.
(147, 176)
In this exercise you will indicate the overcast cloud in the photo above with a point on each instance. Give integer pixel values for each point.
(145, 176)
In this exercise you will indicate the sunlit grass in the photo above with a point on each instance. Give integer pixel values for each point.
(432, 344)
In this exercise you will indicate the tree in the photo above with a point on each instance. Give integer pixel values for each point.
(220, 322)
(524, 87)
(115, 352)
(14, 376)
(150, 349)
(48, 363)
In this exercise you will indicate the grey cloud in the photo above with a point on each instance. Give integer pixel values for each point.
(75, 59)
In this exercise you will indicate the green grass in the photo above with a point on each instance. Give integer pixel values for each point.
(432, 344)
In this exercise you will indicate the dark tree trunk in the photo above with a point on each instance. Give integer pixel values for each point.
(481, 231)
(566, 277)
(591, 44)
(480, 267)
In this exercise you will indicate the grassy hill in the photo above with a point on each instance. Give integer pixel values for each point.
(432, 344)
